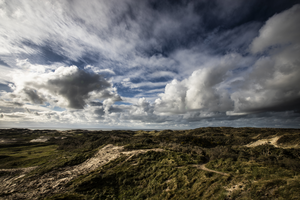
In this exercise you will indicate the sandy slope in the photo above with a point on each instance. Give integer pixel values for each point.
(53, 182)
(271, 141)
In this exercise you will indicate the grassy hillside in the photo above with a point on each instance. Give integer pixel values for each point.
(255, 164)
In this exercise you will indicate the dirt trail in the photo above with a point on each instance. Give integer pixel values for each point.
(202, 167)
(53, 182)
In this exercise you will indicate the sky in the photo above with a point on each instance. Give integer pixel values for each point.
(149, 64)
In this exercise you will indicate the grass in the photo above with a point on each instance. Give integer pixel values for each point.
(263, 172)
(154, 175)
(26, 155)
(261, 181)
(46, 156)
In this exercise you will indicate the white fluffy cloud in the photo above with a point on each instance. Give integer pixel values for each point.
(203, 90)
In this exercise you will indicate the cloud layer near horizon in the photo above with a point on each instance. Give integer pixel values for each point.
(149, 64)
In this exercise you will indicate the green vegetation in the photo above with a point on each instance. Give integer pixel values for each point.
(25, 155)
(261, 172)
(154, 175)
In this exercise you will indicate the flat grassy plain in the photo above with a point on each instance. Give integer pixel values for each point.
(267, 169)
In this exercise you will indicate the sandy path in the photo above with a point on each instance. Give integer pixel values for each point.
(202, 167)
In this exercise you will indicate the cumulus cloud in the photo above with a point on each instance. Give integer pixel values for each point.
(280, 30)
(202, 90)
(269, 84)
(273, 83)
(72, 84)
(142, 107)
(65, 87)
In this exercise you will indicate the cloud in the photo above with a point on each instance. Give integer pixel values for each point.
(33, 96)
(236, 39)
(202, 62)
(160, 74)
(144, 84)
(202, 90)
(29, 27)
(119, 39)
(93, 27)
(11, 104)
(273, 83)
(69, 87)
(221, 85)
(93, 103)
(100, 71)
(5, 70)
(73, 84)
(281, 29)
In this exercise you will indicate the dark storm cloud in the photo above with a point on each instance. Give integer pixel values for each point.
(76, 87)
(284, 104)
(268, 119)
